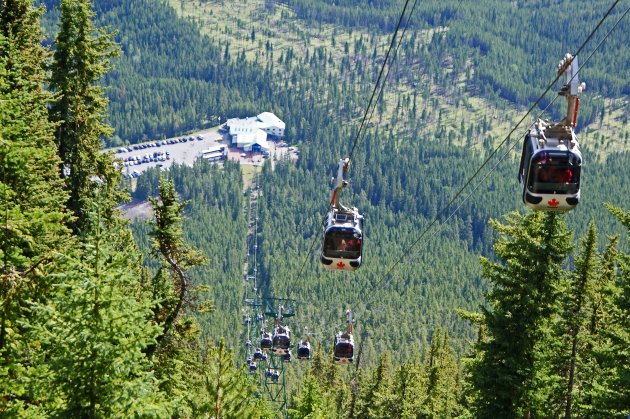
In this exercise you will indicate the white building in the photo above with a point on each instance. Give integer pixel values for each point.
(251, 134)
(271, 124)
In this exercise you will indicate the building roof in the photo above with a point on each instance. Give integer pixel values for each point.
(270, 119)
(249, 131)
(252, 137)
(264, 120)
(238, 125)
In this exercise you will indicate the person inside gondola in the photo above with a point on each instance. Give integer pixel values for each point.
(565, 176)
(342, 246)
(554, 174)
(354, 245)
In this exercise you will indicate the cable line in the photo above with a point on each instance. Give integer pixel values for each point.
(384, 281)
(380, 75)
(380, 94)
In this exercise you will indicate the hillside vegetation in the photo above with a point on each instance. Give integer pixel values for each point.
(445, 66)
(524, 316)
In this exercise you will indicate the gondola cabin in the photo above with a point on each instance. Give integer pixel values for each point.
(550, 168)
(266, 342)
(343, 240)
(281, 340)
(304, 350)
(273, 375)
(258, 354)
(286, 357)
(344, 348)
(252, 367)
(551, 161)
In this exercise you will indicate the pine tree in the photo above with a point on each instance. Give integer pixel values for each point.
(32, 217)
(327, 379)
(615, 401)
(32, 192)
(310, 404)
(227, 392)
(443, 386)
(178, 257)
(526, 285)
(597, 364)
(376, 391)
(81, 58)
(408, 393)
(576, 316)
(95, 330)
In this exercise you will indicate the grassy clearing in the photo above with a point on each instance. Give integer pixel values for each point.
(248, 172)
(264, 34)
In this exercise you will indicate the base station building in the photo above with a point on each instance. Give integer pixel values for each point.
(251, 134)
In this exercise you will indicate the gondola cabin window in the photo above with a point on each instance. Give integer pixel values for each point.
(344, 350)
(342, 244)
(554, 173)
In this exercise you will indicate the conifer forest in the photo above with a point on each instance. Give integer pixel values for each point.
(468, 301)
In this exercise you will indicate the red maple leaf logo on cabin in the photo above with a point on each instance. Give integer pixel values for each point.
(553, 203)
(340, 265)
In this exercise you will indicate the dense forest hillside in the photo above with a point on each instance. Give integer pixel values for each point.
(500, 38)
(399, 180)
(444, 57)
(464, 74)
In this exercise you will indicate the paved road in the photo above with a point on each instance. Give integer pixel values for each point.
(187, 152)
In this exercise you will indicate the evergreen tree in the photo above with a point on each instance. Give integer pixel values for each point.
(408, 393)
(32, 192)
(615, 401)
(228, 393)
(310, 404)
(330, 390)
(526, 285)
(32, 220)
(168, 243)
(94, 330)
(443, 384)
(81, 58)
(376, 391)
(596, 364)
(575, 314)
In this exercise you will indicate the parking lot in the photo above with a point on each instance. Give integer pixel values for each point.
(186, 149)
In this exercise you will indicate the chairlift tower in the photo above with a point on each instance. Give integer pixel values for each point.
(272, 382)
